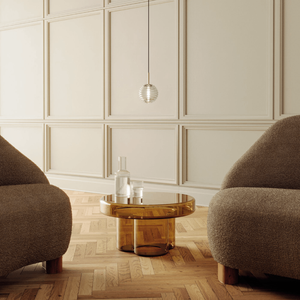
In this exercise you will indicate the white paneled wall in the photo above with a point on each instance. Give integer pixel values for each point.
(229, 59)
(13, 11)
(151, 151)
(127, 69)
(70, 72)
(75, 60)
(75, 149)
(204, 163)
(21, 71)
(27, 138)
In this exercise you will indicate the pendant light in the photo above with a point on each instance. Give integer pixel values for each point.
(148, 92)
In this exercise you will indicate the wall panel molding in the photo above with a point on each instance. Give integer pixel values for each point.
(78, 153)
(278, 57)
(21, 93)
(19, 11)
(27, 138)
(164, 107)
(287, 66)
(219, 146)
(151, 151)
(66, 106)
(57, 8)
(265, 112)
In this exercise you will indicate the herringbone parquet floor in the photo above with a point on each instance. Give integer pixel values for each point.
(94, 269)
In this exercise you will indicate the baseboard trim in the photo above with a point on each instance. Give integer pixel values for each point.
(106, 186)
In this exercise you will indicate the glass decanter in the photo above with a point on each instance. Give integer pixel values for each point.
(122, 179)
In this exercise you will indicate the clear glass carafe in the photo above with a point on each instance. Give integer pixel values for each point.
(122, 179)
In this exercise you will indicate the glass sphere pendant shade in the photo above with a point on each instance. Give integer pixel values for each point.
(148, 93)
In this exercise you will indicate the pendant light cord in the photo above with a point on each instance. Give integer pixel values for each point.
(148, 38)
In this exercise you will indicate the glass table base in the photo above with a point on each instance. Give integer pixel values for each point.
(146, 237)
(125, 235)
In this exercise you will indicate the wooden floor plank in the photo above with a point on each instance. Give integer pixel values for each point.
(197, 254)
(168, 296)
(86, 284)
(233, 290)
(29, 294)
(146, 265)
(219, 288)
(112, 277)
(181, 294)
(44, 292)
(58, 290)
(99, 283)
(124, 272)
(135, 268)
(194, 292)
(157, 265)
(72, 288)
(206, 289)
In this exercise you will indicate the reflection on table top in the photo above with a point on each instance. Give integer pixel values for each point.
(153, 205)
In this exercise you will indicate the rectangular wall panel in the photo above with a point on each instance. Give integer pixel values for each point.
(151, 151)
(75, 149)
(28, 139)
(21, 72)
(209, 153)
(20, 10)
(58, 6)
(290, 59)
(126, 47)
(229, 59)
(76, 67)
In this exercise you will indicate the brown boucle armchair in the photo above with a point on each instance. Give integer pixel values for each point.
(254, 221)
(35, 217)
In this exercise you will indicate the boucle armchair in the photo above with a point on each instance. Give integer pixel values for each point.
(254, 221)
(35, 217)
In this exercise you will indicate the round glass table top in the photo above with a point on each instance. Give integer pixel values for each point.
(153, 205)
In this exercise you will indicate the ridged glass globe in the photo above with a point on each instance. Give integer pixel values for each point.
(148, 93)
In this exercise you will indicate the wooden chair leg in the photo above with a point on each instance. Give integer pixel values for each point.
(228, 275)
(54, 266)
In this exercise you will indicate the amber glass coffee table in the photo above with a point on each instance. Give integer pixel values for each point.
(146, 226)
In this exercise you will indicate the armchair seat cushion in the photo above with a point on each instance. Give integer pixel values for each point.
(257, 229)
(35, 224)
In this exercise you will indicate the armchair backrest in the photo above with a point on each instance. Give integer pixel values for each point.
(273, 161)
(16, 168)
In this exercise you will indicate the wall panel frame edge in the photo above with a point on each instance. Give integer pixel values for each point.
(69, 12)
(183, 72)
(108, 150)
(108, 11)
(47, 115)
(48, 127)
(22, 22)
(29, 124)
(183, 140)
(18, 26)
(279, 61)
